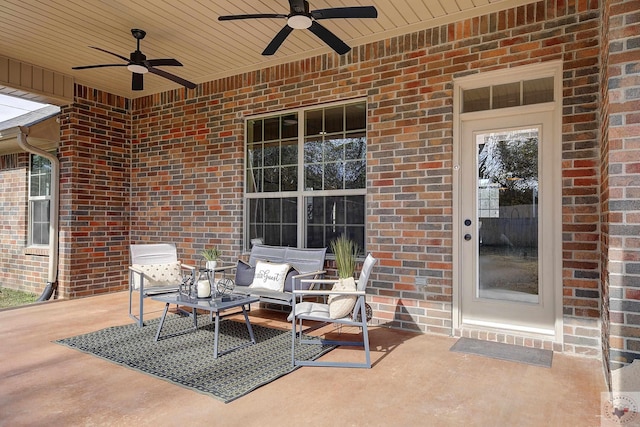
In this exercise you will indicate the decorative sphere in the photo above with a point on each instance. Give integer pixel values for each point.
(225, 286)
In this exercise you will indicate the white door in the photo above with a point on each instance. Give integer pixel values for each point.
(507, 241)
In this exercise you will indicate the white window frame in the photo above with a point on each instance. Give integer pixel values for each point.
(31, 199)
(301, 193)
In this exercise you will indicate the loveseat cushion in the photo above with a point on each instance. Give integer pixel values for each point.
(285, 297)
(288, 281)
(244, 274)
(270, 276)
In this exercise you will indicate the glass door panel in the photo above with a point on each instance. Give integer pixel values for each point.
(507, 215)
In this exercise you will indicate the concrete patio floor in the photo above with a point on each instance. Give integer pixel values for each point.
(415, 381)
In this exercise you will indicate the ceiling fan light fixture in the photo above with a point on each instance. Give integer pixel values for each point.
(299, 22)
(136, 68)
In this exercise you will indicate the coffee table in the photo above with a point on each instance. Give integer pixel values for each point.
(215, 306)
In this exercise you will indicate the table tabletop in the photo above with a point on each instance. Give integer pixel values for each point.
(209, 304)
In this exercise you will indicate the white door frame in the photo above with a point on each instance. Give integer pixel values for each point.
(548, 69)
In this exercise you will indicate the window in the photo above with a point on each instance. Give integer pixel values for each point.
(306, 176)
(524, 92)
(39, 200)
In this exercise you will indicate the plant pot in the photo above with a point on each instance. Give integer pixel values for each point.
(211, 265)
(348, 283)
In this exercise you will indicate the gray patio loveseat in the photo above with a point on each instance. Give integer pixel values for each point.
(303, 263)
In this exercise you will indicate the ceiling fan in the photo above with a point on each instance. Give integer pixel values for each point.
(300, 17)
(139, 65)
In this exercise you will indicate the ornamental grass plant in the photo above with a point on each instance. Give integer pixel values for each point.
(345, 250)
(211, 254)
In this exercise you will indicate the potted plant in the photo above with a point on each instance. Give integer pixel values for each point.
(211, 255)
(345, 250)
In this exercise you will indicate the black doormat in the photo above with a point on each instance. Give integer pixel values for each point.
(509, 352)
(187, 359)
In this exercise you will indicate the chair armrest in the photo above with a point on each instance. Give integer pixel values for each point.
(224, 268)
(135, 270)
(309, 274)
(187, 267)
(317, 281)
(327, 292)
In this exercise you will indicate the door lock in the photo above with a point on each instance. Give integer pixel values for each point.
(467, 222)
(467, 237)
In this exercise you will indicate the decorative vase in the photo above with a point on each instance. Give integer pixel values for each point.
(348, 283)
(211, 265)
(204, 289)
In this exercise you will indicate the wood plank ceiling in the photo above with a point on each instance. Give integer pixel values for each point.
(56, 34)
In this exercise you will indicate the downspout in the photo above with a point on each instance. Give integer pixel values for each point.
(53, 224)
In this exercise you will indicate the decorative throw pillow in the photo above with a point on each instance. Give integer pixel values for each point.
(341, 305)
(288, 281)
(244, 274)
(270, 276)
(157, 275)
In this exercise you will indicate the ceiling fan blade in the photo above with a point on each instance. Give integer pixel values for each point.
(163, 62)
(345, 12)
(137, 82)
(277, 40)
(111, 53)
(172, 77)
(84, 67)
(251, 16)
(329, 38)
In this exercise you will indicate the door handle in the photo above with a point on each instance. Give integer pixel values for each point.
(467, 237)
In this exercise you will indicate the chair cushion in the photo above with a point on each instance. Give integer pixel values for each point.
(242, 290)
(270, 276)
(341, 305)
(244, 274)
(311, 310)
(158, 275)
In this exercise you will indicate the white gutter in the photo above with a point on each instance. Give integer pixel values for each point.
(54, 208)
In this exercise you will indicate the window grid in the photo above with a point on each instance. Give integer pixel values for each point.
(39, 200)
(328, 150)
(513, 94)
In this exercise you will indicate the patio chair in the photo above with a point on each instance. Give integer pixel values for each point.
(154, 270)
(319, 312)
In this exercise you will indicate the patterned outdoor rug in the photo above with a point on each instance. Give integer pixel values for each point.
(187, 359)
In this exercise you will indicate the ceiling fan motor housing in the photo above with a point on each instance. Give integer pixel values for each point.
(137, 62)
(300, 7)
(300, 17)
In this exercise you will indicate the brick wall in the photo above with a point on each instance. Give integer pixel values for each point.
(187, 174)
(18, 268)
(169, 167)
(94, 194)
(188, 149)
(623, 190)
